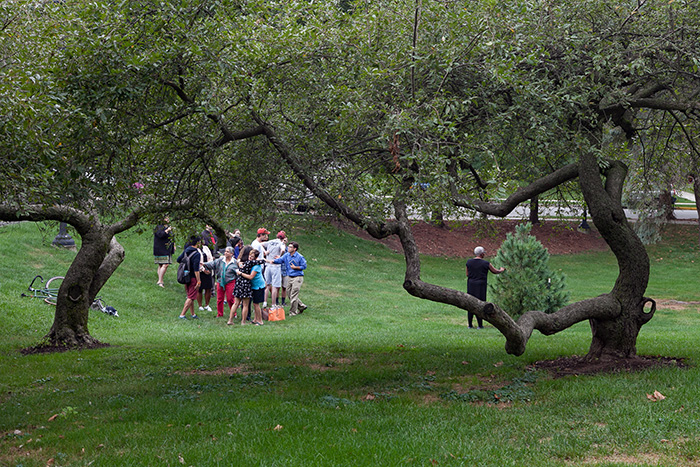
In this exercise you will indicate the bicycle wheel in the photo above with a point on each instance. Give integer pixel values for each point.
(51, 289)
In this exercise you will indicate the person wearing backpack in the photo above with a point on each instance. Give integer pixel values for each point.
(192, 256)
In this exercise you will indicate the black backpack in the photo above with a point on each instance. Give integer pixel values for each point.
(183, 270)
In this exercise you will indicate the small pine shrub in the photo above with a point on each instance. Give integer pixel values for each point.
(528, 283)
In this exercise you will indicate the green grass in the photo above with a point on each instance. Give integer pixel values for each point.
(367, 376)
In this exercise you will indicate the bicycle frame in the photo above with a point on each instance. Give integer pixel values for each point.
(46, 292)
(50, 295)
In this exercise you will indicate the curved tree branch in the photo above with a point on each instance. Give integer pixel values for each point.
(549, 181)
(39, 212)
(374, 228)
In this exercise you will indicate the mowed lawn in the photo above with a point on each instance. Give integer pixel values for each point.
(368, 375)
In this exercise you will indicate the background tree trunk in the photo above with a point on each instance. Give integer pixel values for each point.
(535, 210)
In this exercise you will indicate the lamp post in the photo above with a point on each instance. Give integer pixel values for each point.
(63, 239)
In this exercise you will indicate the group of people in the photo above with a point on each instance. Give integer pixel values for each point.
(264, 272)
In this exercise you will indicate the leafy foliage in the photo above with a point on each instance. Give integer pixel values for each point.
(528, 283)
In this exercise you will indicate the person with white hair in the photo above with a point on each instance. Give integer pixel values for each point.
(477, 275)
(225, 268)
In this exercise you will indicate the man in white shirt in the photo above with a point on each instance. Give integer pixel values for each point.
(273, 272)
(259, 242)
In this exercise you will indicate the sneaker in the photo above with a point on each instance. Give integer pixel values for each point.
(195, 317)
(302, 308)
(201, 308)
(208, 308)
(182, 317)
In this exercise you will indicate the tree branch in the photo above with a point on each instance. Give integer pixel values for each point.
(374, 228)
(39, 212)
(541, 185)
(110, 263)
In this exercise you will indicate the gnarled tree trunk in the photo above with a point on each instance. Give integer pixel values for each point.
(98, 257)
(616, 337)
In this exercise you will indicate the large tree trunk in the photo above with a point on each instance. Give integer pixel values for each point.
(666, 201)
(616, 337)
(98, 257)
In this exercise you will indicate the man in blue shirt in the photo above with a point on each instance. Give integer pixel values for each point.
(295, 264)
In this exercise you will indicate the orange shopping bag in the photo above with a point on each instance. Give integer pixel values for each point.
(276, 314)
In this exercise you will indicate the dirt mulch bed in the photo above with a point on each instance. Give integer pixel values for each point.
(458, 239)
(575, 365)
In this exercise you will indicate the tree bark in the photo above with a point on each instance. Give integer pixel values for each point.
(615, 318)
(616, 337)
(535, 210)
(84, 278)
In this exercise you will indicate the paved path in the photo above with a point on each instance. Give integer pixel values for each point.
(687, 195)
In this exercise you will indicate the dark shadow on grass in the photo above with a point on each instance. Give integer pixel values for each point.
(575, 365)
(48, 348)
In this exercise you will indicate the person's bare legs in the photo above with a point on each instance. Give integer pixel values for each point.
(283, 295)
(275, 292)
(258, 314)
(244, 313)
(234, 307)
(161, 273)
(207, 297)
(189, 303)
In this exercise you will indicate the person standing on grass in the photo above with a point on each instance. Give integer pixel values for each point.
(243, 291)
(285, 278)
(225, 268)
(273, 272)
(477, 275)
(235, 242)
(163, 248)
(207, 285)
(191, 255)
(296, 264)
(209, 238)
(257, 285)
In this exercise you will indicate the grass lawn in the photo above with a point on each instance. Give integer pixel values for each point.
(366, 376)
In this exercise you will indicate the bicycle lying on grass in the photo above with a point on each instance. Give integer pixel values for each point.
(49, 292)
